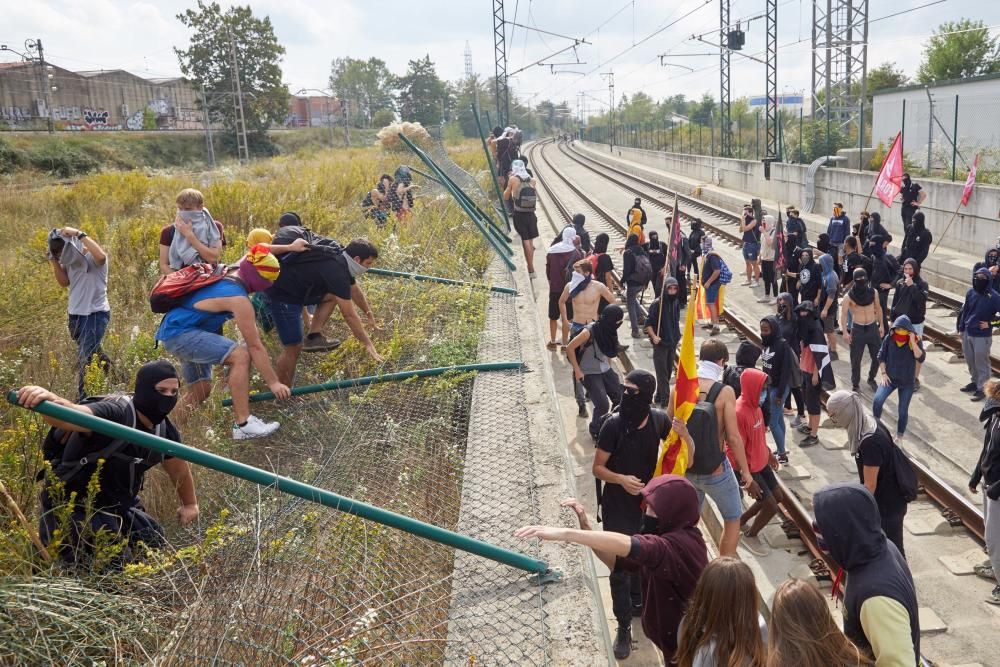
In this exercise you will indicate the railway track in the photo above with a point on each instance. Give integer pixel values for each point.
(652, 191)
(956, 509)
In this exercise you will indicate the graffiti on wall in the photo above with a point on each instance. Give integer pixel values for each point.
(134, 122)
(15, 114)
(96, 117)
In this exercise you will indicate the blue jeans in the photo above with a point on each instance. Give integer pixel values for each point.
(88, 332)
(723, 488)
(905, 394)
(632, 292)
(287, 318)
(777, 416)
(198, 351)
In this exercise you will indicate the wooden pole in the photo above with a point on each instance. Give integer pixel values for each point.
(28, 528)
(953, 216)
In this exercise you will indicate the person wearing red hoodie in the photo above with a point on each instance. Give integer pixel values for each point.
(669, 551)
(760, 460)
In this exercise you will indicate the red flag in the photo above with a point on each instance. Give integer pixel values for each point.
(970, 182)
(890, 176)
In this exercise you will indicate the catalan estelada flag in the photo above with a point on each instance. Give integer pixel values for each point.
(701, 308)
(674, 456)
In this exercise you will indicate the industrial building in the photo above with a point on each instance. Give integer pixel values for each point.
(94, 100)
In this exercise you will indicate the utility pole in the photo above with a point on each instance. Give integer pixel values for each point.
(46, 87)
(242, 146)
(500, 57)
(329, 118)
(347, 122)
(208, 127)
(771, 152)
(611, 108)
(725, 125)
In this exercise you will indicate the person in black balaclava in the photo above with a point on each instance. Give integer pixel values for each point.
(625, 460)
(694, 243)
(975, 324)
(810, 276)
(919, 240)
(875, 228)
(663, 329)
(862, 309)
(74, 452)
(991, 262)
(590, 352)
(817, 372)
(656, 250)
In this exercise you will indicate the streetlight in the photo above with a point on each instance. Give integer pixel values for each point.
(328, 94)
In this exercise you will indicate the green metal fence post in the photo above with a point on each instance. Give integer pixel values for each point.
(502, 250)
(288, 485)
(493, 171)
(437, 279)
(954, 141)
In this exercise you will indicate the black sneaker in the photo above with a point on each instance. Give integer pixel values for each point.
(916, 384)
(583, 411)
(873, 384)
(977, 396)
(969, 388)
(809, 441)
(783, 458)
(637, 611)
(855, 388)
(622, 648)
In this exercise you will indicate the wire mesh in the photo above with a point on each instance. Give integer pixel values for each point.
(268, 579)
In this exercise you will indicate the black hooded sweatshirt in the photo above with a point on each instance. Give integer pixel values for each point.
(789, 325)
(911, 300)
(810, 279)
(776, 359)
(992, 258)
(987, 469)
(848, 519)
(920, 239)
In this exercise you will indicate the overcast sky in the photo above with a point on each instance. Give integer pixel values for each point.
(139, 36)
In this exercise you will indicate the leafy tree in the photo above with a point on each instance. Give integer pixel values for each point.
(465, 93)
(368, 84)
(885, 76)
(814, 143)
(422, 94)
(703, 112)
(959, 50)
(641, 109)
(383, 117)
(208, 62)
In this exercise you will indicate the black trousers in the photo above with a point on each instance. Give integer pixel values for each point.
(892, 526)
(663, 364)
(864, 337)
(767, 273)
(883, 299)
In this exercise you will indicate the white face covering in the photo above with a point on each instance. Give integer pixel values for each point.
(575, 281)
(709, 370)
(353, 267)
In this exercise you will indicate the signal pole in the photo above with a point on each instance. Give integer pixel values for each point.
(242, 145)
(611, 109)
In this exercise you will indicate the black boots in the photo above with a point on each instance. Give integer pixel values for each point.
(622, 647)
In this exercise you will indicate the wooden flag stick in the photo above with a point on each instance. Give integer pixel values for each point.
(24, 522)
(953, 216)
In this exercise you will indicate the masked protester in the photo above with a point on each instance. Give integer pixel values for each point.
(656, 250)
(863, 313)
(817, 371)
(694, 243)
(74, 451)
(880, 601)
(788, 326)
(885, 273)
(918, 242)
(991, 262)
(780, 363)
(810, 276)
(912, 195)
(975, 324)
(625, 460)
(987, 472)
(663, 329)
(590, 353)
(899, 356)
(669, 551)
(838, 229)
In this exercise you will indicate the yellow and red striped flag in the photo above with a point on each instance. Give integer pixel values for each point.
(674, 457)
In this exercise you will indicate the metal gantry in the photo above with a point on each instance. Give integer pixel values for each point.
(839, 60)
(500, 55)
(771, 152)
(725, 122)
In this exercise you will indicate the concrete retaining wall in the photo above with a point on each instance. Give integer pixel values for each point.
(974, 229)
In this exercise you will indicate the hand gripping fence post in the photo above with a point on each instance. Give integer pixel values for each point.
(436, 279)
(289, 486)
(502, 250)
(493, 171)
(388, 377)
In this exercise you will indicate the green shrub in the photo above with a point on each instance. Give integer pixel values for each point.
(11, 159)
(62, 159)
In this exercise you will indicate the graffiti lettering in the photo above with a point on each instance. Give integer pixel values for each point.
(134, 122)
(159, 107)
(95, 117)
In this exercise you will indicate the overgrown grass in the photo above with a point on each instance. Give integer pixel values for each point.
(400, 445)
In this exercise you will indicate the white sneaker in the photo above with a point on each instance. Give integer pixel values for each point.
(754, 284)
(254, 428)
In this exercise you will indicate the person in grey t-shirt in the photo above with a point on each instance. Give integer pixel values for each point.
(80, 264)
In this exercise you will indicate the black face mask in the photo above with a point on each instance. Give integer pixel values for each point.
(147, 400)
(768, 339)
(980, 284)
(649, 525)
(634, 408)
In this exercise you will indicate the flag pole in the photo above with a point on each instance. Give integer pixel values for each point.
(953, 216)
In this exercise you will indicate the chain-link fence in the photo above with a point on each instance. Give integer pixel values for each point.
(264, 578)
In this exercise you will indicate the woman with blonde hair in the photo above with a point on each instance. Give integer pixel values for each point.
(803, 633)
(722, 626)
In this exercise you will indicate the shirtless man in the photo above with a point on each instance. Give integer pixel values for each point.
(585, 295)
(718, 481)
(862, 305)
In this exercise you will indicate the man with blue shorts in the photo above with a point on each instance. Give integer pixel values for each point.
(718, 480)
(189, 332)
(751, 245)
(711, 272)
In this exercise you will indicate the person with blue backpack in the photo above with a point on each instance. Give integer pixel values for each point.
(714, 274)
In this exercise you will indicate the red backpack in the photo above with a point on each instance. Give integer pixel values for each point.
(170, 290)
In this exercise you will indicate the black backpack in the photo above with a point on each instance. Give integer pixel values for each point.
(527, 197)
(703, 425)
(642, 271)
(320, 247)
(906, 476)
(60, 448)
(659, 421)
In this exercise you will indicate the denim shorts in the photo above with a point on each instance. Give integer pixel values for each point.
(751, 250)
(712, 294)
(722, 488)
(198, 351)
(287, 318)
